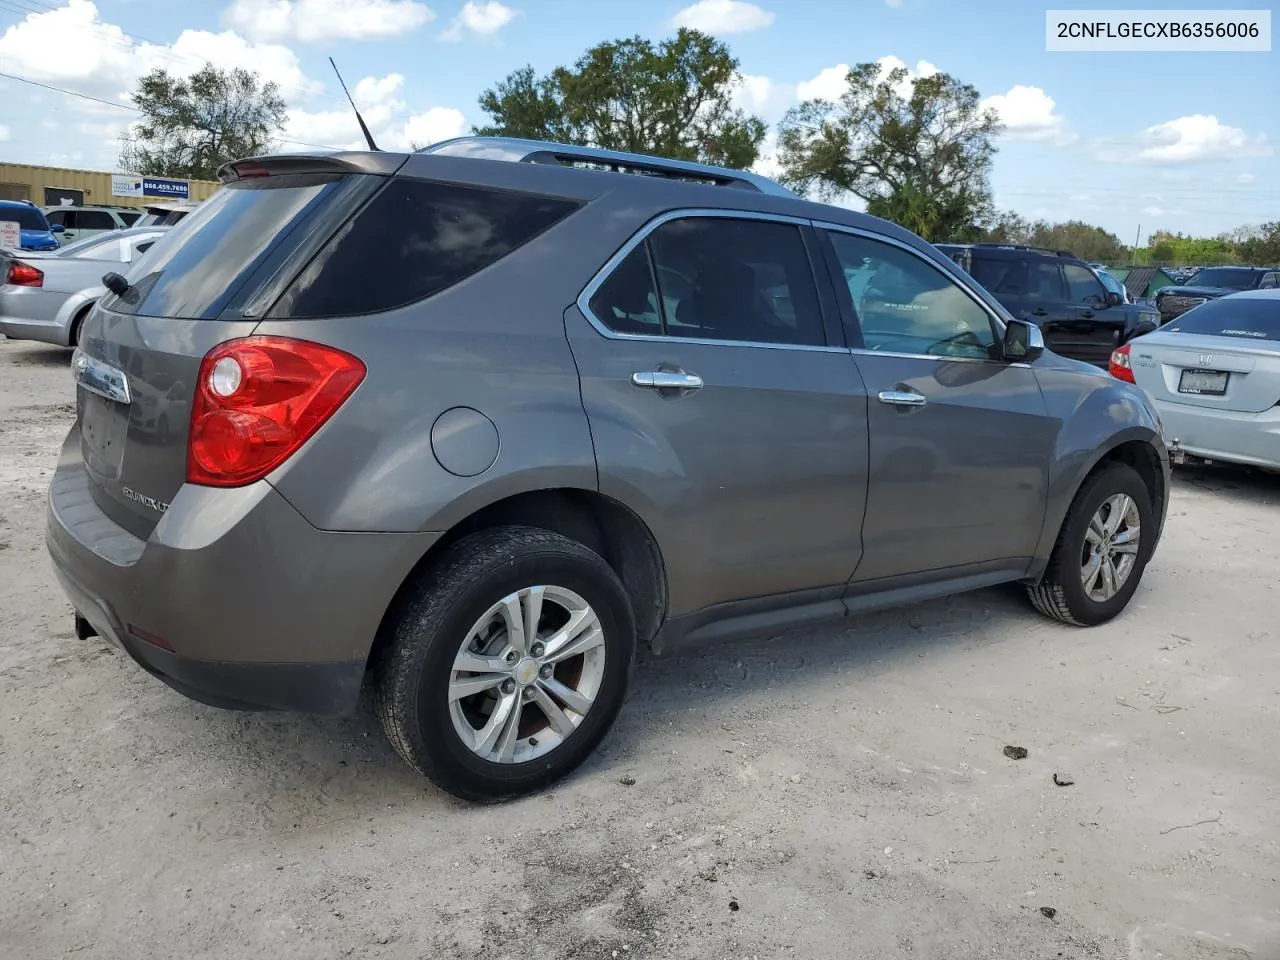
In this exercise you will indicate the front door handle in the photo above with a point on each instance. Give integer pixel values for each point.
(902, 398)
(667, 380)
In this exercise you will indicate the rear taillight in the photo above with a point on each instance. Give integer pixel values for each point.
(258, 399)
(1119, 366)
(24, 275)
(250, 170)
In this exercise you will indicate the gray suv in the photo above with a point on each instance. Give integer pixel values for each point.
(474, 422)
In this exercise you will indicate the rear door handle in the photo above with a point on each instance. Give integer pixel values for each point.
(902, 398)
(666, 380)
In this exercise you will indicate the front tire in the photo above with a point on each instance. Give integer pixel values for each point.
(1102, 550)
(506, 664)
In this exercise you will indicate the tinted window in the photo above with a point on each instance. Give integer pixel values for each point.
(1084, 286)
(1242, 317)
(211, 253)
(909, 306)
(94, 220)
(28, 218)
(1044, 280)
(1112, 284)
(130, 219)
(1269, 281)
(722, 278)
(1003, 277)
(628, 300)
(53, 216)
(1234, 278)
(413, 240)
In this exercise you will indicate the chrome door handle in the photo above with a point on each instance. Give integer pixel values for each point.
(666, 380)
(902, 398)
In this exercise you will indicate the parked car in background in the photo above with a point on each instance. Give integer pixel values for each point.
(1079, 316)
(1212, 283)
(80, 222)
(34, 230)
(166, 214)
(1113, 285)
(394, 450)
(1214, 373)
(46, 298)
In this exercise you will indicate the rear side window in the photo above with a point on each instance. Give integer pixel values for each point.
(716, 278)
(1005, 277)
(94, 220)
(1243, 317)
(210, 254)
(414, 239)
(28, 218)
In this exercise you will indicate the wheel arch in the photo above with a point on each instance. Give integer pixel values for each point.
(599, 522)
(1134, 448)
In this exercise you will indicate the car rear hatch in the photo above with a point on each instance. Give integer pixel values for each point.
(212, 280)
(1223, 355)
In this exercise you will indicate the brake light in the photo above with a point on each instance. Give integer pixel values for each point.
(24, 275)
(258, 399)
(1119, 367)
(247, 170)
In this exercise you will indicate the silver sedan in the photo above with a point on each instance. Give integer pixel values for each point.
(1214, 374)
(46, 296)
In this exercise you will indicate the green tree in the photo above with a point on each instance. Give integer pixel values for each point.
(1083, 239)
(673, 99)
(1262, 248)
(920, 148)
(191, 127)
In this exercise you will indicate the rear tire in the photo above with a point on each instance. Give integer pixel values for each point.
(454, 631)
(73, 337)
(1098, 530)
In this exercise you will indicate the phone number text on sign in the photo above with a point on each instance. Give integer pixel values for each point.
(1137, 31)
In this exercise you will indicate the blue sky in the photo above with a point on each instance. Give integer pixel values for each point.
(1182, 141)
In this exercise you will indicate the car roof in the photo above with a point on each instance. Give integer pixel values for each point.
(1272, 294)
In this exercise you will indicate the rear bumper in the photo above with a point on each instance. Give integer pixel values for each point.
(30, 313)
(234, 600)
(1245, 438)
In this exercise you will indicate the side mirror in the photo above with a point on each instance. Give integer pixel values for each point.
(56, 228)
(1113, 299)
(1023, 342)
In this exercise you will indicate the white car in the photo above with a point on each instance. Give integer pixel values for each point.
(1214, 375)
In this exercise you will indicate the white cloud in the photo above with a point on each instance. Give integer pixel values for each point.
(1246, 178)
(893, 3)
(4, 133)
(1028, 113)
(723, 16)
(1186, 140)
(393, 126)
(831, 82)
(72, 45)
(754, 93)
(481, 20)
(312, 21)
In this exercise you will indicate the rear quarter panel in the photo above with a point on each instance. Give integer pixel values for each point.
(1096, 413)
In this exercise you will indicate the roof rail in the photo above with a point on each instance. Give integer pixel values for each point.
(516, 150)
(1028, 247)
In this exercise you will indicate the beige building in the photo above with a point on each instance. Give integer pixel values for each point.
(51, 186)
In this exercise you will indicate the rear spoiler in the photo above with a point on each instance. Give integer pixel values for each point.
(353, 161)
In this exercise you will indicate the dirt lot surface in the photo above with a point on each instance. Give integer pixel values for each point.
(838, 793)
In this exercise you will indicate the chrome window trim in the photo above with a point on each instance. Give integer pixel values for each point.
(640, 236)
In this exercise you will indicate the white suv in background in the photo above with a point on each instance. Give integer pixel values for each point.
(80, 222)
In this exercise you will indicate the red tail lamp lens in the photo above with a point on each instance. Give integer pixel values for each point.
(1119, 367)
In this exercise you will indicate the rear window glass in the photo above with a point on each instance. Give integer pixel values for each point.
(414, 239)
(1243, 317)
(27, 218)
(210, 254)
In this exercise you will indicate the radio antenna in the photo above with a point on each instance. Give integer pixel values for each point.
(368, 137)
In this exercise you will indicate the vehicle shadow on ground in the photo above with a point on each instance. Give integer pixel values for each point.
(35, 355)
(306, 768)
(1242, 484)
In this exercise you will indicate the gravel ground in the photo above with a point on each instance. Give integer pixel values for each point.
(831, 793)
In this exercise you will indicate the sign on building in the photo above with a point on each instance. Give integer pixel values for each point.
(127, 185)
(10, 234)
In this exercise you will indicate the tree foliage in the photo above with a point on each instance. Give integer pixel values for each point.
(673, 99)
(919, 150)
(192, 126)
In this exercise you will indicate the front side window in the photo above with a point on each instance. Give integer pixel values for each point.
(1269, 281)
(910, 306)
(1084, 285)
(716, 278)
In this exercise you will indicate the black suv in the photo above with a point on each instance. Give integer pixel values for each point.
(1080, 318)
(1211, 283)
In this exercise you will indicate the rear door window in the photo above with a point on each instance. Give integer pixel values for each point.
(94, 220)
(1003, 276)
(415, 239)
